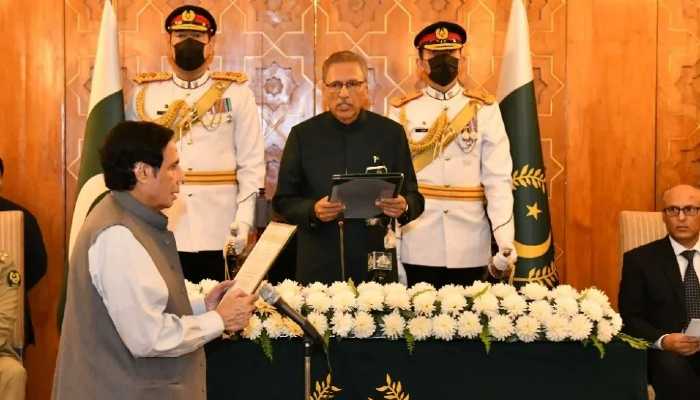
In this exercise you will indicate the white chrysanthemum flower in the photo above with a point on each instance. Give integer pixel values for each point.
(444, 327)
(527, 328)
(449, 290)
(541, 310)
(394, 287)
(319, 321)
(468, 325)
(591, 309)
(476, 288)
(501, 327)
(369, 287)
(371, 300)
(207, 285)
(424, 303)
(615, 323)
(338, 287)
(254, 328)
(502, 290)
(364, 325)
(274, 325)
(596, 295)
(294, 299)
(288, 285)
(580, 327)
(313, 288)
(566, 306)
(318, 301)
(342, 324)
(604, 331)
(292, 329)
(452, 302)
(420, 327)
(514, 304)
(393, 325)
(420, 287)
(343, 301)
(556, 328)
(563, 291)
(486, 303)
(194, 291)
(534, 291)
(398, 299)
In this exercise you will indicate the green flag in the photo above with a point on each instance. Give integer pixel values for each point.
(106, 110)
(516, 96)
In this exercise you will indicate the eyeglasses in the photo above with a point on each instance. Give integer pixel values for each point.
(351, 85)
(688, 211)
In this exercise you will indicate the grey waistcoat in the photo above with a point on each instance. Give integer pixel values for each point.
(93, 362)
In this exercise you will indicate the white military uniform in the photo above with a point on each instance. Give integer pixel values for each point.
(225, 140)
(455, 232)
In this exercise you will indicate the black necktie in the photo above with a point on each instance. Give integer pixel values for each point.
(691, 286)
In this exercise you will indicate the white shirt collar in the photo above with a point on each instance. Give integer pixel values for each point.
(191, 84)
(436, 94)
(679, 248)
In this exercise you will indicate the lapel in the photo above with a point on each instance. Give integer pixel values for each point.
(669, 264)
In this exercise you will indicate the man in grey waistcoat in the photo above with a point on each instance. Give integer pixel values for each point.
(130, 330)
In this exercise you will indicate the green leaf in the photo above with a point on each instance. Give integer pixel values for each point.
(485, 339)
(633, 342)
(266, 344)
(598, 345)
(410, 340)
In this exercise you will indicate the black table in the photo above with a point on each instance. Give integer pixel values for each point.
(436, 370)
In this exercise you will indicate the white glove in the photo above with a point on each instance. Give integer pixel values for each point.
(238, 237)
(504, 258)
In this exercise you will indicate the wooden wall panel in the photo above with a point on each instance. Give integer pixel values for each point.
(678, 102)
(31, 143)
(611, 88)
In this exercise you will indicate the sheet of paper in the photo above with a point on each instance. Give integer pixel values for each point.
(260, 259)
(693, 328)
(359, 196)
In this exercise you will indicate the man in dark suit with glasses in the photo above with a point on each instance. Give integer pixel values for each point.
(660, 294)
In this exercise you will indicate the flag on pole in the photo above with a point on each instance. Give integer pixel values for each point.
(105, 110)
(516, 97)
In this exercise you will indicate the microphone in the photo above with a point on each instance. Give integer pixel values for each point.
(271, 297)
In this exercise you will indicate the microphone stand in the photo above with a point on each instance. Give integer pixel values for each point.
(308, 344)
(341, 232)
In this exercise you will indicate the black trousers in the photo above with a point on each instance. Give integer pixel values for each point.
(202, 265)
(674, 377)
(441, 276)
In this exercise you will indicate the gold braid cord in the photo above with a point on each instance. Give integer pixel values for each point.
(175, 110)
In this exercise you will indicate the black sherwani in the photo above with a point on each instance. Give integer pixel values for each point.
(318, 148)
(652, 303)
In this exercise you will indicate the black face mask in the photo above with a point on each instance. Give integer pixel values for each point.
(443, 69)
(189, 54)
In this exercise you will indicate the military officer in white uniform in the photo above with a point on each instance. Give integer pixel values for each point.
(217, 126)
(461, 155)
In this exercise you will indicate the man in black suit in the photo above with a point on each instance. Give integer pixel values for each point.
(660, 294)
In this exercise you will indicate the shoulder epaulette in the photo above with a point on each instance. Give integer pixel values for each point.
(399, 101)
(238, 77)
(152, 77)
(480, 94)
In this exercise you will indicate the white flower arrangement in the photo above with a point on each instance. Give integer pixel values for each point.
(498, 313)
